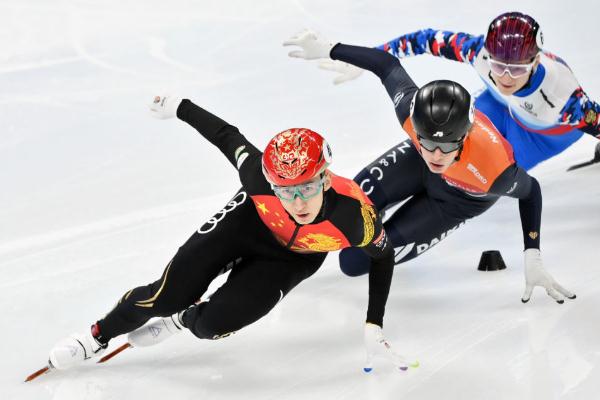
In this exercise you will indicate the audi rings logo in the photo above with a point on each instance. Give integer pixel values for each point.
(211, 224)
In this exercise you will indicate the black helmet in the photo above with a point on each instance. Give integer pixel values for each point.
(442, 112)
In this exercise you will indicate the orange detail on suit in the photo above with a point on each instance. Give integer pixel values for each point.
(485, 155)
(320, 237)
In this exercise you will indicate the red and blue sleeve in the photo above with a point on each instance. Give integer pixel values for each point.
(456, 46)
(581, 113)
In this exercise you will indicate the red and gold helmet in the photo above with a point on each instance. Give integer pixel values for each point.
(294, 156)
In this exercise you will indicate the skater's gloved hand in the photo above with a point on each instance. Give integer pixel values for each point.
(164, 107)
(536, 275)
(377, 345)
(314, 46)
(347, 72)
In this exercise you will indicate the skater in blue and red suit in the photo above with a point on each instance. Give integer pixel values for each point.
(531, 96)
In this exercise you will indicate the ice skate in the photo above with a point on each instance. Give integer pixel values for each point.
(155, 332)
(75, 349)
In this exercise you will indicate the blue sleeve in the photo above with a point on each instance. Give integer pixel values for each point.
(456, 46)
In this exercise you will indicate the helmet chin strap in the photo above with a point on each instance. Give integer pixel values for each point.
(492, 78)
(460, 149)
(321, 214)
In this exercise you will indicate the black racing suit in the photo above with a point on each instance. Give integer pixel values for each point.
(267, 252)
(437, 203)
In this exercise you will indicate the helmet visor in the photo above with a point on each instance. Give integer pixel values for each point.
(445, 147)
(514, 70)
(305, 191)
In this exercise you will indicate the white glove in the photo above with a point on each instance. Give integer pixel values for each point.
(347, 71)
(164, 107)
(536, 275)
(377, 345)
(314, 46)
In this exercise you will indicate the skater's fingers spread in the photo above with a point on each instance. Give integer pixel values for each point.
(555, 295)
(527, 294)
(296, 54)
(563, 291)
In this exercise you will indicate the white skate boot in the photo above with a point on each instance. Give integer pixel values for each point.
(155, 332)
(75, 349)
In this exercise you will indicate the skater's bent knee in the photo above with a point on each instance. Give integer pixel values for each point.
(203, 326)
(354, 262)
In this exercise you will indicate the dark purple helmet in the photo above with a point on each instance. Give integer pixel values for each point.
(513, 37)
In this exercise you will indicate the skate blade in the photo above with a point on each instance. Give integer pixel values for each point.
(38, 373)
(114, 353)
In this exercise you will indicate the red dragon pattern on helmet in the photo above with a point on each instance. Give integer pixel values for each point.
(294, 156)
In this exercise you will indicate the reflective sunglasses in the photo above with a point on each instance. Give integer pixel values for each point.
(445, 147)
(305, 191)
(514, 70)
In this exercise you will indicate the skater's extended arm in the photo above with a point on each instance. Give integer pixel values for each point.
(380, 275)
(363, 228)
(242, 154)
(398, 83)
(220, 133)
(515, 182)
(456, 46)
(396, 80)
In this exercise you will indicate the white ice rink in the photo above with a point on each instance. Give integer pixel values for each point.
(96, 197)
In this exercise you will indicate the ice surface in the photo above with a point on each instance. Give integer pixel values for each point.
(97, 196)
